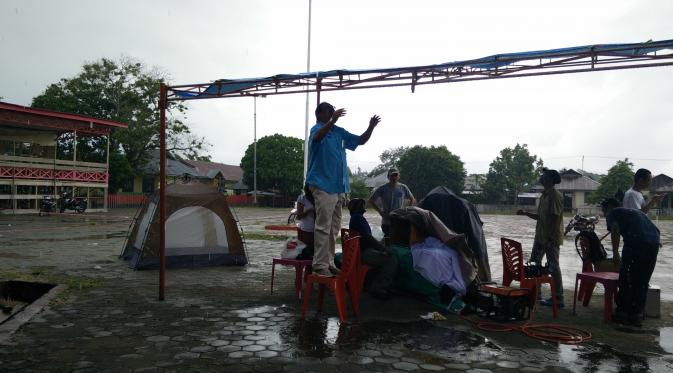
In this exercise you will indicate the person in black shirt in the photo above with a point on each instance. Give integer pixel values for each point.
(639, 256)
(372, 253)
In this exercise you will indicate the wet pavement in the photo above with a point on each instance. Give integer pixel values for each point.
(225, 319)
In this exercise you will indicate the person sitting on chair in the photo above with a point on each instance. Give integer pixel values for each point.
(372, 253)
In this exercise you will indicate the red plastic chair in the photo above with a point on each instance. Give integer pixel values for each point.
(299, 267)
(357, 280)
(586, 283)
(512, 268)
(351, 255)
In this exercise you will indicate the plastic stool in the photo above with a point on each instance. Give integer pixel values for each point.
(610, 282)
(298, 265)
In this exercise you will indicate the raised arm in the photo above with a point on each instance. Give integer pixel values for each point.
(324, 130)
(373, 122)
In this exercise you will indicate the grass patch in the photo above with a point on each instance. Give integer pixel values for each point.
(265, 237)
(74, 284)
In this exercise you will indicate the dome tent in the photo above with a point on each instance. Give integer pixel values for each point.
(200, 230)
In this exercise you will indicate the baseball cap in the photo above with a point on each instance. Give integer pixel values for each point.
(393, 171)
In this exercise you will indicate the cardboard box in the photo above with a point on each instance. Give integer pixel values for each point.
(653, 302)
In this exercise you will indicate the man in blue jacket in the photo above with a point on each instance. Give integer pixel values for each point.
(327, 177)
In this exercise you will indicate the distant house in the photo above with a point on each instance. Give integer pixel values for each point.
(575, 187)
(663, 184)
(474, 184)
(376, 180)
(224, 176)
(175, 170)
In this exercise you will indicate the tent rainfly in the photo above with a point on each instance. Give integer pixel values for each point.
(200, 230)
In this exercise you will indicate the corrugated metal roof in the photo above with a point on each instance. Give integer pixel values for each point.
(229, 172)
(573, 183)
(376, 181)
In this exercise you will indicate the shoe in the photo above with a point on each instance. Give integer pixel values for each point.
(334, 270)
(549, 303)
(323, 273)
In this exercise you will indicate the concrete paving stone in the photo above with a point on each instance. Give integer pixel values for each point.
(508, 364)
(219, 343)
(228, 348)
(83, 364)
(279, 347)
(187, 355)
(531, 369)
(158, 338)
(255, 327)
(246, 332)
(369, 353)
(239, 354)
(265, 354)
(131, 356)
(266, 342)
(457, 366)
(406, 366)
(478, 370)
(242, 343)
(201, 349)
(102, 334)
(391, 352)
(432, 367)
(386, 360)
(411, 360)
(255, 319)
(254, 348)
(360, 360)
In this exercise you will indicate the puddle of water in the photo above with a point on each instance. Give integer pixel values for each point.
(666, 339)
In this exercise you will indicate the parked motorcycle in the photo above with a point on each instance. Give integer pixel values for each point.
(293, 215)
(72, 203)
(47, 205)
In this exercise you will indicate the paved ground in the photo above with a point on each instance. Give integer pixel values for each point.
(224, 318)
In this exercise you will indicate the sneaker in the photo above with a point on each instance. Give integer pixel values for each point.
(334, 270)
(323, 273)
(549, 303)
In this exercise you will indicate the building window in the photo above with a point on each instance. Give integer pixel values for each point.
(26, 204)
(96, 198)
(6, 147)
(45, 190)
(5, 204)
(5, 189)
(25, 189)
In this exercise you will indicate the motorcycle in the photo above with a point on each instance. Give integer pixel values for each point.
(587, 243)
(581, 223)
(47, 205)
(72, 203)
(293, 215)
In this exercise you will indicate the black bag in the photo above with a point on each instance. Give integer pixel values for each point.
(532, 269)
(596, 250)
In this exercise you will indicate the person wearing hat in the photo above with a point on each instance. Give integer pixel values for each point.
(327, 178)
(389, 197)
(639, 256)
(549, 230)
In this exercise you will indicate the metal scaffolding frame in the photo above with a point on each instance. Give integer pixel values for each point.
(511, 65)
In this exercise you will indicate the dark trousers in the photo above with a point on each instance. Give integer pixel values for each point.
(384, 265)
(634, 277)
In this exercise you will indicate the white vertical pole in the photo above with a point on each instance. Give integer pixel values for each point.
(308, 69)
(254, 162)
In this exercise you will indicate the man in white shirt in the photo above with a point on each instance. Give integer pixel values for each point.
(633, 198)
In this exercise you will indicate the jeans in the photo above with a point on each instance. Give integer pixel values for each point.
(552, 254)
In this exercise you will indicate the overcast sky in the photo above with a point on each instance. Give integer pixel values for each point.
(604, 116)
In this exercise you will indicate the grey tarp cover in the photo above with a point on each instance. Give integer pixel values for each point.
(461, 216)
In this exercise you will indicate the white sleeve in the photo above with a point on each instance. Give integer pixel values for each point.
(631, 200)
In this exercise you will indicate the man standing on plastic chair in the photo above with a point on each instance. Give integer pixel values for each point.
(549, 230)
(327, 177)
(639, 256)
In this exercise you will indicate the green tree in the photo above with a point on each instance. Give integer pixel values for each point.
(424, 168)
(280, 164)
(619, 178)
(389, 158)
(512, 172)
(128, 92)
(359, 188)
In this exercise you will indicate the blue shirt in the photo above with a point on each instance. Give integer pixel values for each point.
(634, 226)
(327, 166)
(359, 223)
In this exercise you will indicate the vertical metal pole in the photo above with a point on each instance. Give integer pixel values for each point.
(254, 161)
(317, 90)
(308, 69)
(74, 147)
(107, 171)
(162, 191)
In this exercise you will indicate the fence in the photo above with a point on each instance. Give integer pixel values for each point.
(125, 200)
